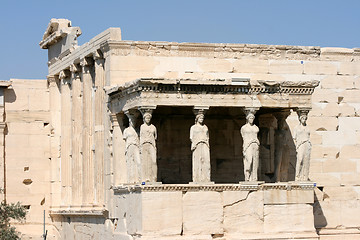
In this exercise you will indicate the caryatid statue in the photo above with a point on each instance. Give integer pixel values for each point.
(199, 137)
(249, 133)
(281, 148)
(132, 152)
(148, 136)
(303, 147)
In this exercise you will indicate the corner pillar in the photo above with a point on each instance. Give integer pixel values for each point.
(132, 151)
(99, 119)
(55, 138)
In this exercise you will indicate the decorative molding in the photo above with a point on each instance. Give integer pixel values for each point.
(72, 212)
(242, 186)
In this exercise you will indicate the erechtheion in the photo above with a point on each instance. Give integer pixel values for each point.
(165, 140)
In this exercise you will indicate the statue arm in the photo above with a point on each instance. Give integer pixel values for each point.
(191, 134)
(155, 133)
(295, 136)
(242, 131)
(124, 135)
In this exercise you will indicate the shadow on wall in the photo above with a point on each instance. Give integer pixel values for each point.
(10, 95)
(319, 217)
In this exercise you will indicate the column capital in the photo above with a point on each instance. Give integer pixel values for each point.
(200, 109)
(98, 55)
(75, 68)
(85, 63)
(51, 79)
(64, 76)
(250, 110)
(302, 111)
(146, 109)
(114, 120)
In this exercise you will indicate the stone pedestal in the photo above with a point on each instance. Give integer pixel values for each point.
(248, 210)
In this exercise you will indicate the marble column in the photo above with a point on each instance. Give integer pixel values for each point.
(148, 137)
(87, 145)
(66, 138)
(99, 140)
(55, 138)
(249, 133)
(282, 154)
(303, 147)
(77, 121)
(200, 147)
(132, 151)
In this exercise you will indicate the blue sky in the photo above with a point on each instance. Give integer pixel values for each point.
(283, 22)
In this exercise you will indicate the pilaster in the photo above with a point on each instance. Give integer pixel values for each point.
(66, 138)
(119, 161)
(77, 121)
(55, 138)
(88, 159)
(99, 118)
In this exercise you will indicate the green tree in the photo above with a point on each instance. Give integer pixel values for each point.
(8, 212)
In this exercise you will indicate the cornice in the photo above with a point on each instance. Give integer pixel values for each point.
(221, 50)
(219, 86)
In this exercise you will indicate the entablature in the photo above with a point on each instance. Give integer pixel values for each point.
(211, 92)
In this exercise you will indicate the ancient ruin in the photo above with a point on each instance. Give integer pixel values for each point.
(165, 140)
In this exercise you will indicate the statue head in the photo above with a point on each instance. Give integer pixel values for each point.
(250, 118)
(199, 118)
(147, 118)
(302, 119)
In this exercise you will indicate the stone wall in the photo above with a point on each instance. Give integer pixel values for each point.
(27, 152)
